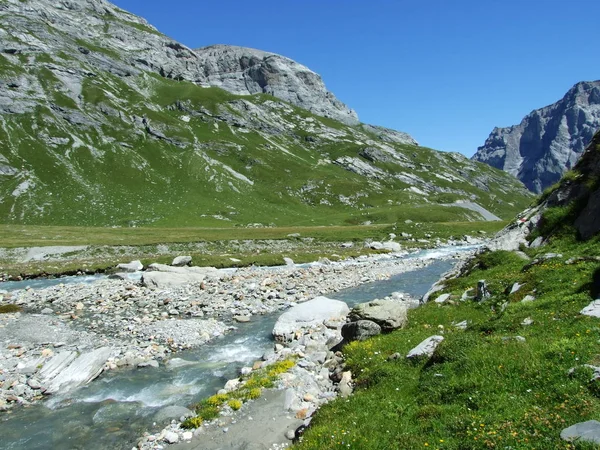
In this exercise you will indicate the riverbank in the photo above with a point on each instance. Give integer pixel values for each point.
(140, 326)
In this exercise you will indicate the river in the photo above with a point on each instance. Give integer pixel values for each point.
(115, 410)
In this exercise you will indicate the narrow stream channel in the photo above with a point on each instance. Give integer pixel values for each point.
(115, 410)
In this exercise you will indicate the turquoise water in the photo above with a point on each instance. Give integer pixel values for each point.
(115, 410)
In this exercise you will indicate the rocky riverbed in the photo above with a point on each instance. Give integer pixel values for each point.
(67, 335)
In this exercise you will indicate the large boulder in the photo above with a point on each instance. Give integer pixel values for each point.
(68, 370)
(162, 276)
(593, 309)
(133, 266)
(360, 330)
(582, 432)
(388, 314)
(307, 315)
(180, 261)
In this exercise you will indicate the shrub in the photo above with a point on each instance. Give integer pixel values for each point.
(234, 404)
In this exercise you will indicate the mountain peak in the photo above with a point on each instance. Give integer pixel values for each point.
(548, 141)
(242, 71)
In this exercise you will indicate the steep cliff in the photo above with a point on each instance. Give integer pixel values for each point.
(548, 141)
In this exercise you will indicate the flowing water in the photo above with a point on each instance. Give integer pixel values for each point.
(115, 410)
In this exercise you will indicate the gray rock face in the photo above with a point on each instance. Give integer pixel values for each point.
(548, 141)
(243, 71)
(236, 69)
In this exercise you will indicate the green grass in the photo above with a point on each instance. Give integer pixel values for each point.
(7, 309)
(110, 246)
(250, 389)
(483, 388)
(117, 174)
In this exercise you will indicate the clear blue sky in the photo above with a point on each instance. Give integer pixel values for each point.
(445, 71)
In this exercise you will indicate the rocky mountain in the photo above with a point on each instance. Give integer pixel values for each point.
(548, 141)
(244, 71)
(105, 121)
(579, 195)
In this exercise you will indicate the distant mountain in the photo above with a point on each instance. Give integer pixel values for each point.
(105, 121)
(548, 141)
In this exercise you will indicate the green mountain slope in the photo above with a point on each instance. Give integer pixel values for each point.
(93, 133)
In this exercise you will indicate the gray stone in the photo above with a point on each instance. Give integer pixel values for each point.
(180, 261)
(426, 348)
(152, 363)
(360, 330)
(34, 383)
(289, 262)
(442, 298)
(345, 384)
(537, 242)
(388, 314)
(461, 325)
(290, 434)
(482, 293)
(582, 432)
(435, 288)
(171, 437)
(171, 278)
(241, 319)
(83, 369)
(528, 298)
(168, 413)
(593, 309)
(47, 311)
(391, 246)
(515, 288)
(133, 266)
(308, 315)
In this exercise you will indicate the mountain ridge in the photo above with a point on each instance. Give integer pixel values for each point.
(548, 141)
(101, 125)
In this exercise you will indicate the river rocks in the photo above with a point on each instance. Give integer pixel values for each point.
(388, 314)
(360, 330)
(426, 348)
(172, 412)
(83, 369)
(582, 432)
(133, 320)
(162, 276)
(171, 437)
(241, 319)
(180, 261)
(307, 315)
(133, 266)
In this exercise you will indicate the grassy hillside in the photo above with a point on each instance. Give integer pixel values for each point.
(515, 377)
(94, 148)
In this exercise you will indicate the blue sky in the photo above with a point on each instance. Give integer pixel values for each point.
(445, 71)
